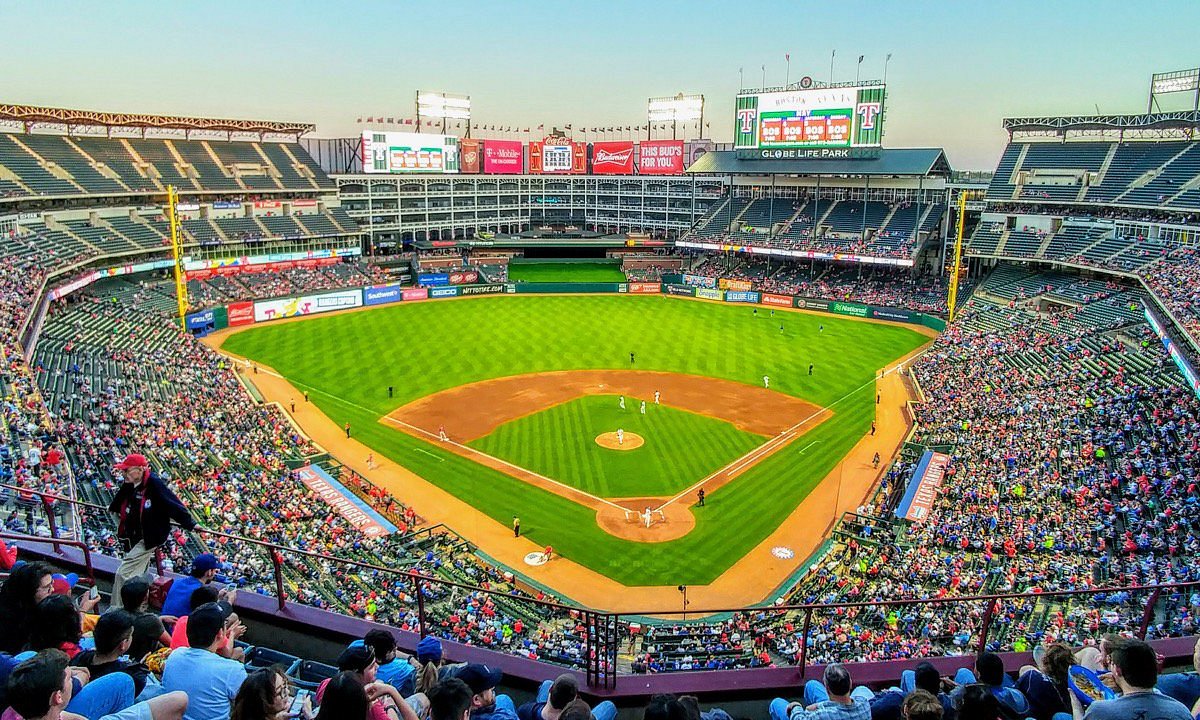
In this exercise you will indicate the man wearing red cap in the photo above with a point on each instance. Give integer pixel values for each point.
(145, 507)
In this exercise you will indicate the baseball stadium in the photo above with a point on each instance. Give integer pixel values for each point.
(445, 419)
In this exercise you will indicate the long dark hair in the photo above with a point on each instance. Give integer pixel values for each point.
(18, 591)
(257, 695)
(56, 621)
(344, 698)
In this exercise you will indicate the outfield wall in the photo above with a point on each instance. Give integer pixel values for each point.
(694, 286)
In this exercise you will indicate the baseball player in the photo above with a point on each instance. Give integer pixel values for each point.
(656, 394)
(643, 407)
(766, 382)
(442, 433)
(371, 461)
(620, 436)
(621, 402)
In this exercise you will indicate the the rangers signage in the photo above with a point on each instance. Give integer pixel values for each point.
(612, 158)
(923, 488)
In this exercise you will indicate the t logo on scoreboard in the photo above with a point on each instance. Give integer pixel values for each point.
(868, 112)
(746, 118)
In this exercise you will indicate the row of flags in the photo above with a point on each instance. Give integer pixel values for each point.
(380, 119)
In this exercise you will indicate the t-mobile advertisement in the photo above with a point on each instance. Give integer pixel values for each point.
(503, 157)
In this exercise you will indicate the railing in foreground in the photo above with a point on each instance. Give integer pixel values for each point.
(809, 633)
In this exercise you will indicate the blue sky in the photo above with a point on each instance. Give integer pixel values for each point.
(957, 68)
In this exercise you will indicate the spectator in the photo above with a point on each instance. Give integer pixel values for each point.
(27, 586)
(554, 696)
(429, 658)
(210, 681)
(385, 701)
(450, 700)
(1135, 668)
(398, 673)
(833, 699)
(345, 699)
(977, 702)
(57, 625)
(888, 705)
(1045, 686)
(204, 570)
(266, 696)
(485, 703)
(149, 633)
(989, 671)
(692, 705)
(922, 705)
(664, 707)
(113, 636)
(41, 688)
(1184, 687)
(144, 506)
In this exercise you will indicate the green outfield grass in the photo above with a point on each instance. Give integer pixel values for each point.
(347, 362)
(681, 447)
(565, 272)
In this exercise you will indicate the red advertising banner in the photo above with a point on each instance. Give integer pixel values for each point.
(660, 157)
(557, 156)
(928, 480)
(199, 274)
(240, 313)
(463, 278)
(468, 155)
(779, 300)
(503, 157)
(342, 501)
(414, 294)
(612, 158)
(645, 288)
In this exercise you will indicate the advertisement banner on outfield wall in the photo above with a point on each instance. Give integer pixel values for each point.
(381, 294)
(810, 304)
(200, 323)
(481, 289)
(240, 313)
(741, 296)
(443, 292)
(891, 314)
(730, 284)
(432, 279)
(777, 300)
(701, 281)
(414, 293)
(645, 288)
(681, 290)
(463, 277)
(306, 305)
(709, 293)
(848, 308)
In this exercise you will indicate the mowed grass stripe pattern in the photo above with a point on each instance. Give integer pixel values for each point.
(565, 272)
(346, 362)
(680, 447)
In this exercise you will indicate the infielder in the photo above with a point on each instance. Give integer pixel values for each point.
(621, 402)
(442, 433)
(620, 436)
(643, 407)
(766, 382)
(656, 394)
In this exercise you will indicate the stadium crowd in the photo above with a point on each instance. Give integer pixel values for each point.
(219, 289)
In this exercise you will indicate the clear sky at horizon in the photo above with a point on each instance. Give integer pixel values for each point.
(957, 68)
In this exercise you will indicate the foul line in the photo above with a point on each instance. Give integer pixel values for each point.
(435, 439)
(779, 440)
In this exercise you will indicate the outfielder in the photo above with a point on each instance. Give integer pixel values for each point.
(621, 402)
(766, 382)
(643, 407)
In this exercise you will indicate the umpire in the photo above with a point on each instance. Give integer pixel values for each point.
(145, 507)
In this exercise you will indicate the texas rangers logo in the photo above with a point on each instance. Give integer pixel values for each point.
(868, 112)
(746, 117)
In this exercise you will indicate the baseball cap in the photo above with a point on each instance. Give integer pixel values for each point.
(133, 460)
(206, 561)
(356, 658)
(480, 678)
(429, 649)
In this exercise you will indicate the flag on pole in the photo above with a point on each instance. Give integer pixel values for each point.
(860, 59)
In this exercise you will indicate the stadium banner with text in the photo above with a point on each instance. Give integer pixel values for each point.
(710, 294)
(741, 296)
(345, 503)
(922, 489)
(681, 290)
(231, 204)
(563, 287)
(92, 276)
(431, 279)
(699, 280)
(849, 308)
(778, 300)
(402, 152)
(414, 294)
(807, 254)
(468, 155)
(1181, 361)
(201, 323)
(481, 289)
(612, 158)
(647, 288)
(660, 157)
(557, 156)
(503, 157)
(243, 260)
(463, 277)
(818, 118)
(894, 314)
(240, 313)
(443, 292)
(811, 304)
(381, 294)
(731, 284)
(265, 310)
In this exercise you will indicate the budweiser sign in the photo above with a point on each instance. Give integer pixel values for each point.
(612, 158)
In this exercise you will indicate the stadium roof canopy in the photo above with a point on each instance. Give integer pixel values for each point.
(33, 114)
(912, 162)
(1163, 124)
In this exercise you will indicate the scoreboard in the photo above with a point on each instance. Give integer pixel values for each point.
(400, 152)
(842, 117)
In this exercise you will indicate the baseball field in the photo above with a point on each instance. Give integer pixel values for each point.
(528, 391)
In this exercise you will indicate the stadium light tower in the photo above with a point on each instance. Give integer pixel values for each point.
(681, 107)
(445, 106)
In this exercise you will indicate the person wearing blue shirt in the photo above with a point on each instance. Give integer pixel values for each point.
(179, 597)
(989, 670)
(833, 700)
(395, 671)
(210, 681)
(485, 703)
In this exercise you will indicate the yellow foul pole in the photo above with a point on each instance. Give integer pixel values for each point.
(181, 297)
(952, 299)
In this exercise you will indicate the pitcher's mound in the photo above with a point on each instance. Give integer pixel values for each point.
(609, 440)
